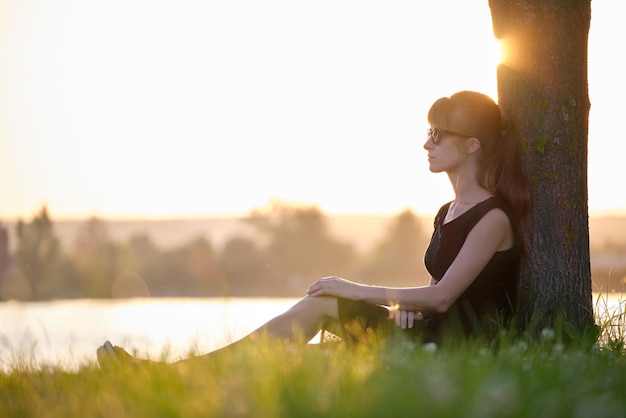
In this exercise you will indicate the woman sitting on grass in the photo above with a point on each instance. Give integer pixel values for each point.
(473, 256)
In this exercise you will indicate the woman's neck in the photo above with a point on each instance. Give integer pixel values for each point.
(467, 190)
(467, 194)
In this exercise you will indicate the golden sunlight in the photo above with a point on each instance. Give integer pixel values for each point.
(212, 108)
(494, 51)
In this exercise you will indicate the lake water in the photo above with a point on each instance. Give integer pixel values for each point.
(67, 333)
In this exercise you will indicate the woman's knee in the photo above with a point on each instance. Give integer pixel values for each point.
(319, 306)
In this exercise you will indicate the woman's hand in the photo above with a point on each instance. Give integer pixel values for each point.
(334, 286)
(405, 319)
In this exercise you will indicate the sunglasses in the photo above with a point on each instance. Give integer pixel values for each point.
(435, 134)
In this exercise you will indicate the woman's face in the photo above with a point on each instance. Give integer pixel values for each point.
(445, 148)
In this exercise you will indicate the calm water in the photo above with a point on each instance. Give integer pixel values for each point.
(66, 333)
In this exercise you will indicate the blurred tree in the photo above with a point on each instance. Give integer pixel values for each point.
(543, 90)
(245, 267)
(169, 274)
(192, 269)
(4, 251)
(299, 247)
(38, 254)
(398, 260)
(148, 261)
(98, 261)
(204, 268)
(5, 259)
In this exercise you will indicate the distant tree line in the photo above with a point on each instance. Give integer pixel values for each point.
(295, 247)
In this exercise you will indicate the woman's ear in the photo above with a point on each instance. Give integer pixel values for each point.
(472, 145)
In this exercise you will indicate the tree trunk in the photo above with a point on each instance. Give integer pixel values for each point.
(542, 89)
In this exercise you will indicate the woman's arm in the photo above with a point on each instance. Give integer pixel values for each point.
(492, 233)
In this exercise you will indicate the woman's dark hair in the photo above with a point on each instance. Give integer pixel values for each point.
(499, 169)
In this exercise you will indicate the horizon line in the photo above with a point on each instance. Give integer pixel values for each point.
(198, 216)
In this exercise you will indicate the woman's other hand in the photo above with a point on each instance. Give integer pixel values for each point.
(405, 319)
(334, 286)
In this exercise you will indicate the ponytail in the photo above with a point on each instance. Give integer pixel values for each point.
(501, 172)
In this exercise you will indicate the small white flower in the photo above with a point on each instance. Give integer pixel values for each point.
(429, 347)
(547, 334)
(522, 346)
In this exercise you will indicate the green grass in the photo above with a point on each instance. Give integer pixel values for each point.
(542, 378)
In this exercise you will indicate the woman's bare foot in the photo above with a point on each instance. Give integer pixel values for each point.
(109, 355)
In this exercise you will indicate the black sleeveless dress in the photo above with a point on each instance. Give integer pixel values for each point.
(487, 304)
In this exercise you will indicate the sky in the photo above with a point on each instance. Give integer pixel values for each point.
(161, 109)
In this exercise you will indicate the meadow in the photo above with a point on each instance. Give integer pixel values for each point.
(517, 377)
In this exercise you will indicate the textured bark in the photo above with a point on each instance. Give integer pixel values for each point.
(542, 89)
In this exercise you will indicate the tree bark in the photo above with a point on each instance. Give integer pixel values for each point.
(542, 89)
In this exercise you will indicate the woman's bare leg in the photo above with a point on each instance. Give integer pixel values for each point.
(303, 320)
